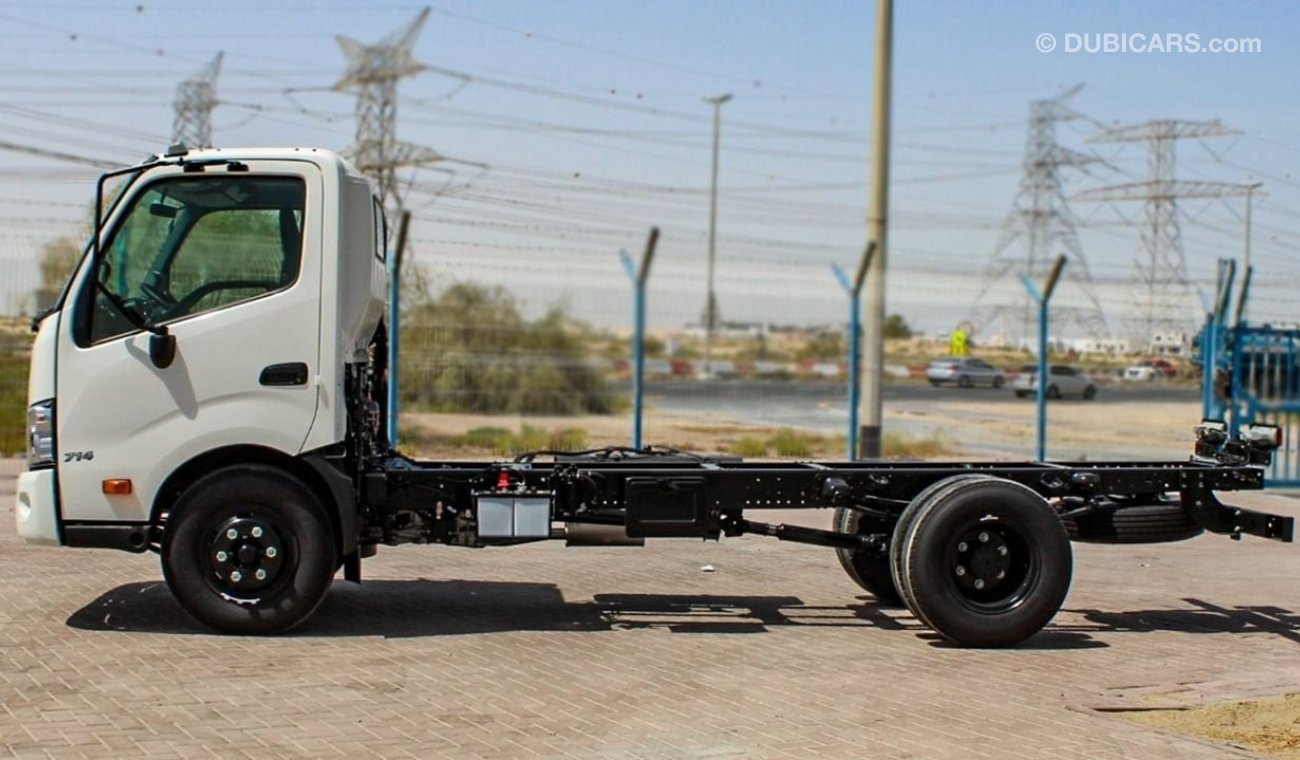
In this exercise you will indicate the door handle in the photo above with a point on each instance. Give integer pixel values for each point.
(291, 373)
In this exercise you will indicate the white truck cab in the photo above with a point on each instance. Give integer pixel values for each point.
(209, 322)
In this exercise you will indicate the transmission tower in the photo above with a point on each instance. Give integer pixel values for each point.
(1163, 301)
(195, 99)
(1038, 228)
(373, 72)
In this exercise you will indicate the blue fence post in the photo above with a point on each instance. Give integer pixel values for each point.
(854, 290)
(1042, 298)
(394, 264)
(639, 276)
(855, 358)
(1214, 340)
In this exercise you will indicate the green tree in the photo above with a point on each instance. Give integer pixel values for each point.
(470, 350)
(896, 327)
(58, 258)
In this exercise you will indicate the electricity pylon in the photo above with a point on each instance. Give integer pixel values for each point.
(1038, 228)
(373, 72)
(195, 99)
(1163, 302)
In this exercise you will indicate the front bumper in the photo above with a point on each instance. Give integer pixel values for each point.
(36, 512)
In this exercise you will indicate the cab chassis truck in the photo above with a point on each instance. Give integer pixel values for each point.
(211, 387)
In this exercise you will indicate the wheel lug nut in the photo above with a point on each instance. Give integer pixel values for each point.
(232, 534)
(979, 583)
(271, 552)
(257, 532)
(984, 538)
(1002, 574)
(961, 570)
(221, 556)
(1002, 550)
(963, 546)
(260, 574)
(236, 577)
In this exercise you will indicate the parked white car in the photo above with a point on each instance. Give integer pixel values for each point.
(1063, 381)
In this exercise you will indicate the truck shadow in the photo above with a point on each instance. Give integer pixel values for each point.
(423, 607)
(1200, 617)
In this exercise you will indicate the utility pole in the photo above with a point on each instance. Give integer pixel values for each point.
(1245, 268)
(874, 327)
(711, 304)
(195, 99)
(1250, 197)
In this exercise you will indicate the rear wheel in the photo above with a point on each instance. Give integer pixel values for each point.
(985, 563)
(963, 382)
(1053, 391)
(247, 550)
(905, 520)
(1090, 393)
(997, 381)
(870, 570)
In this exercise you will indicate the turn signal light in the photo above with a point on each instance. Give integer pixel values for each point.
(1262, 436)
(117, 487)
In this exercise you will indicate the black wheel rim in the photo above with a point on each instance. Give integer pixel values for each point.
(246, 557)
(991, 566)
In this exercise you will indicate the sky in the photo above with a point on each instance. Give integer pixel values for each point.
(569, 128)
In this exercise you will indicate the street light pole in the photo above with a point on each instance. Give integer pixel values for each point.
(711, 304)
(873, 358)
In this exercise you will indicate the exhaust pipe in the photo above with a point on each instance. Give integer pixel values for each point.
(595, 534)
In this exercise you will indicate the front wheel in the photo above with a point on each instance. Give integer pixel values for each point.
(985, 563)
(997, 381)
(247, 550)
(1090, 393)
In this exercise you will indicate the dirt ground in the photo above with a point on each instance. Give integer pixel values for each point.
(995, 429)
(1269, 726)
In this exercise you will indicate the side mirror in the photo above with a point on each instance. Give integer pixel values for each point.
(162, 349)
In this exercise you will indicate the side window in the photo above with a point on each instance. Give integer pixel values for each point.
(381, 231)
(194, 244)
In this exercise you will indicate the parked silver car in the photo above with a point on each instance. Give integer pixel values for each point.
(1062, 381)
(964, 372)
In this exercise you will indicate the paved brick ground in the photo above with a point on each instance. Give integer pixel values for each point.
(541, 651)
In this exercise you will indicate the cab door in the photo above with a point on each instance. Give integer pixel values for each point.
(228, 260)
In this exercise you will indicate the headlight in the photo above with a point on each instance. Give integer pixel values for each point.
(40, 434)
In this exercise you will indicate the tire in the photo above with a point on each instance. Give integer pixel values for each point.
(905, 520)
(1022, 394)
(1053, 391)
(986, 563)
(997, 381)
(867, 569)
(1090, 393)
(963, 382)
(236, 522)
(1142, 524)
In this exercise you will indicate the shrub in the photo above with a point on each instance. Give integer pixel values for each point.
(749, 446)
(790, 443)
